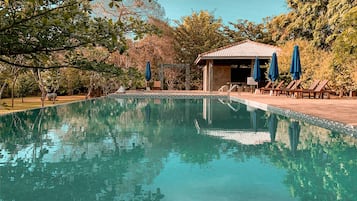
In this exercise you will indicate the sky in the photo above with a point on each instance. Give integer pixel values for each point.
(227, 10)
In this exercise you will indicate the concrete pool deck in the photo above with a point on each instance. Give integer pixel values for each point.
(341, 110)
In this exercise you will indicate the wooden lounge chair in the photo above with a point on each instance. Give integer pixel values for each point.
(309, 90)
(321, 89)
(294, 88)
(277, 87)
(284, 89)
(266, 87)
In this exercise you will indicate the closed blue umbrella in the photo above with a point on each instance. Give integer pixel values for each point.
(148, 71)
(147, 113)
(273, 69)
(256, 70)
(147, 74)
(294, 134)
(295, 68)
(272, 125)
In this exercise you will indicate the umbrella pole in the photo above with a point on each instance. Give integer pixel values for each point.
(272, 89)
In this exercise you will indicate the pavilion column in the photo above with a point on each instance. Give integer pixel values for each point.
(204, 70)
(251, 67)
(210, 75)
(207, 110)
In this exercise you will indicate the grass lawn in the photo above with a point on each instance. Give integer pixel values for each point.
(33, 102)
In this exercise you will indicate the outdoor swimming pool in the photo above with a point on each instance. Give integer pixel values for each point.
(172, 149)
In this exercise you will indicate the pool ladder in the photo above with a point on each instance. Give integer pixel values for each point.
(228, 103)
(222, 88)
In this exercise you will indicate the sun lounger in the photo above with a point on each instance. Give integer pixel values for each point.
(322, 89)
(294, 88)
(301, 91)
(266, 87)
(284, 89)
(309, 90)
(273, 89)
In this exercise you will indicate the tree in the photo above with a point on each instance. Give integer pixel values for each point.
(125, 9)
(38, 29)
(345, 53)
(58, 34)
(25, 85)
(277, 27)
(330, 26)
(71, 81)
(10, 74)
(157, 49)
(4, 76)
(316, 21)
(194, 35)
(313, 68)
(244, 29)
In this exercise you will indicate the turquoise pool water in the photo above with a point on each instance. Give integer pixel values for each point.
(171, 149)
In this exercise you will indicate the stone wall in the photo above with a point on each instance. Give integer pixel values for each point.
(221, 75)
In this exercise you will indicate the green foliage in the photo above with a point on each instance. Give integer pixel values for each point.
(133, 78)
(51, 80)
(25, 84)
(196, 34)
(140, 9)
(330, 26)
(312, 66)
(71, 81)
(244, 29)
(345, 53)
(39, 29)
(316, 21)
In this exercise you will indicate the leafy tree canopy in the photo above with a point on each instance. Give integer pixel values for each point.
(194, 35)
(39, 29)
(244, 29)
(316, 21)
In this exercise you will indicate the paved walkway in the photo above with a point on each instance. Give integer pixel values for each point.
(343, 110)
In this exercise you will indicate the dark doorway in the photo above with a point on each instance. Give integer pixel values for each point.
(240, 74)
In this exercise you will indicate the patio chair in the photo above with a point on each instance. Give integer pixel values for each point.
(274, 89)
(266, 87)
(309, 90)
(284, 89)
(294, 88)
(321, 89)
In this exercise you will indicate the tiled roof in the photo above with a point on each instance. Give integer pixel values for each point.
(246, 49)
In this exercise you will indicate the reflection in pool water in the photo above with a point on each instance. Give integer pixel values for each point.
(171, 149)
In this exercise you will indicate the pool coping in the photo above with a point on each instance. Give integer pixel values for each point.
(314, 120)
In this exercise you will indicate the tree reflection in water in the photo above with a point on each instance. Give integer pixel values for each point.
(113, 149)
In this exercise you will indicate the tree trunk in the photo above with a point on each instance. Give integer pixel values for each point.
(89, 92)
(2, 89)
(12, 90)
(12, 94)
(90, 87)
(341, 93)
(43, 97)
(37, 75)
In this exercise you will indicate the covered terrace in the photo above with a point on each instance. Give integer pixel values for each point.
(233, 63)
